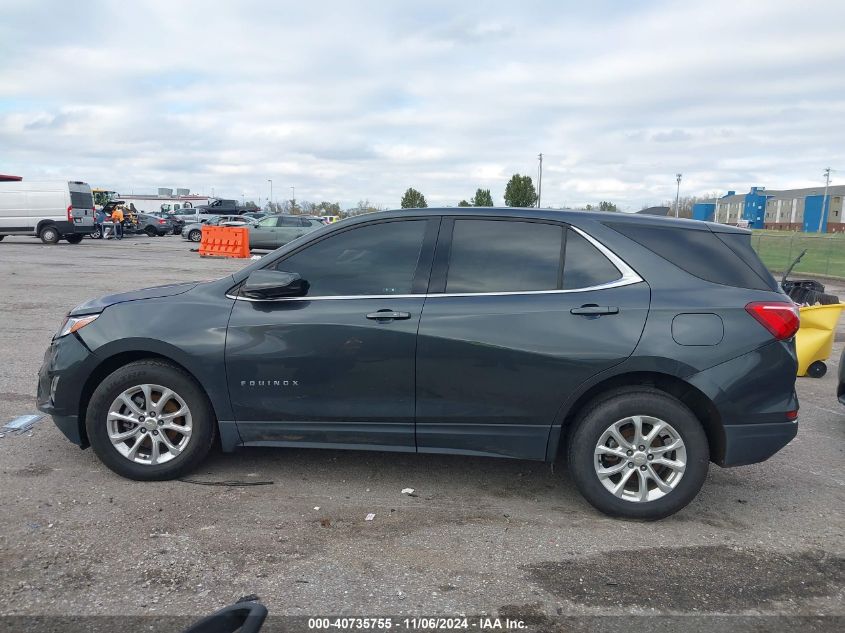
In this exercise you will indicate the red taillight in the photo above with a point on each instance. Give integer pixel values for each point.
(792, 415)
(778, 317)
(162, 221)
(70, 213)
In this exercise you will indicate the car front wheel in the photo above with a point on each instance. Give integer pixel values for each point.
(638, 454)
(150, 421)
(195, 235)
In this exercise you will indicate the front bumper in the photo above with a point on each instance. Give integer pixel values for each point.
(61, 379)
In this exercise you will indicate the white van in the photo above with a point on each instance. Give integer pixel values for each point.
(51, 210)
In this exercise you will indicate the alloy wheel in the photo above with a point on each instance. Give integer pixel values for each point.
(640, 458)
(149, 424)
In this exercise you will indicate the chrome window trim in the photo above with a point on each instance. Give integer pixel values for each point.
(629, 277)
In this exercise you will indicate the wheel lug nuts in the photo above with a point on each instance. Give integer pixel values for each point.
(630, 453)
(642, 448)
(630, 464)
(650, 456)
(642, 467)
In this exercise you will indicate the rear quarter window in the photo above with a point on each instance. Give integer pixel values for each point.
(700, 253)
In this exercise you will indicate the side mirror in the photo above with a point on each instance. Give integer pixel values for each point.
(243, 616)
(273, 284)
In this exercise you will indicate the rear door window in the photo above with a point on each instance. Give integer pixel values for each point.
(585, 266)
(504, 256)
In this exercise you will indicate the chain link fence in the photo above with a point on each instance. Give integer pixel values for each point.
(825, 253)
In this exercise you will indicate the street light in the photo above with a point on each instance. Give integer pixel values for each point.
(678, 195)
(271, 190)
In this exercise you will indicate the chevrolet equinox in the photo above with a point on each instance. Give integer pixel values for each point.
(639, 348)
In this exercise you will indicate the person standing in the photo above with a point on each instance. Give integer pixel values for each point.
(117, 218)
(99, 218)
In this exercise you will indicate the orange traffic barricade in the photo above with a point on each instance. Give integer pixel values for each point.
(224, 241)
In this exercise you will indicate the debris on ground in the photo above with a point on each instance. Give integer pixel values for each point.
(22, 423)
(370, 516)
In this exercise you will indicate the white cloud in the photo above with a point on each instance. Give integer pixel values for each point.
(362, 100)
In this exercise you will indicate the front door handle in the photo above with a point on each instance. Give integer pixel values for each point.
(388, 315)
(594, 310)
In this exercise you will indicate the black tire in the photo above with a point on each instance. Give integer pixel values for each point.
(150, 231)
(49, 234)
(204, 424)
(97, 234)
(600, 414)
(817, 369)
(195, 235)
(74, 239)
(1, 237)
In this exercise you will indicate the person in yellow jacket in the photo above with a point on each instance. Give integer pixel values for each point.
(117, 218)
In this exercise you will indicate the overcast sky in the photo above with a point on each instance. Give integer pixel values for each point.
(351, 100)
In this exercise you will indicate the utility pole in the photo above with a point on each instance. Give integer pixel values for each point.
(824, 198)
(540, 180)
(678, 196)
(270, 180)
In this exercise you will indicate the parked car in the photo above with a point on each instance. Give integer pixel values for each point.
(641, 348)
(176, 221)
(193, 232)
(153, 225)
(255, 215)
(51, 210)
(277, 230)
(219, 206)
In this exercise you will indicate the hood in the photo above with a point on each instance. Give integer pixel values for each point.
(101, 303)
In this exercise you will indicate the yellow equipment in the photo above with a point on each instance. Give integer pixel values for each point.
(814, 339)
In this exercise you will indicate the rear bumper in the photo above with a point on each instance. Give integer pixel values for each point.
(85, 227)
(752, 396)
(752, 443)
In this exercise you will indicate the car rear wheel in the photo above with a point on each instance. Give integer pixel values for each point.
(195, 235)
(638, 454)
(73, 239)
(150, 421)
(49, 234)
(150, 231)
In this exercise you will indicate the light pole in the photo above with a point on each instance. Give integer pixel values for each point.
(678, 196)
(270, 180)
(292, 199)
(824, 197)
(540, 180)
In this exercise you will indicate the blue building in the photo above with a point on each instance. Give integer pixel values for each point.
(792, 209)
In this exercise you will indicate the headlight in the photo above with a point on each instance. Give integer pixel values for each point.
(72, 324)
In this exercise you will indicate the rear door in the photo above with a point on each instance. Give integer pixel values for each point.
(519, 313)
(81, 213)
(290, 228)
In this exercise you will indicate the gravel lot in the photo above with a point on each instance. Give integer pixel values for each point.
(482, 536)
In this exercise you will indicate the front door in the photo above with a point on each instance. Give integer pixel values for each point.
(264, 233)
(508, 333)
(335, 367)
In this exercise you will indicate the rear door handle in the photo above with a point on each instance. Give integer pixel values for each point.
(388, 315)
(594, 310)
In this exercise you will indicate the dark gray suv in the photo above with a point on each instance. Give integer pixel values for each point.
(640, 348)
